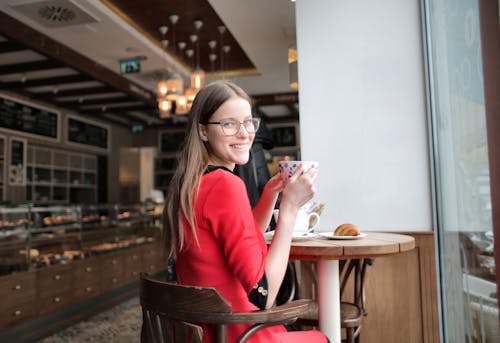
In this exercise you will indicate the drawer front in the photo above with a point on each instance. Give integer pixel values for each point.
(18, 288)
(88, 271)
(152, 252)
(132, 273)
(54, 302)
(12, 315)
(113, 264)
(111, 281)
(55, 279)
(132, 257)
(84, 291)
(153, 267)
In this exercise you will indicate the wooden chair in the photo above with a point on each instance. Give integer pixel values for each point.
(352, 311)
(174, 313)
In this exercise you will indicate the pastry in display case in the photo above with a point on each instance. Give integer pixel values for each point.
(14, 221)
(96, 216)
(55, 235)
(33, 237)
(52, 257)
(128, 227)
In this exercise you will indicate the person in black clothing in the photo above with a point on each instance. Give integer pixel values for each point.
(255, 173)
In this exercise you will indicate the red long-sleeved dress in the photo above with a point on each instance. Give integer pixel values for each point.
(231, 254)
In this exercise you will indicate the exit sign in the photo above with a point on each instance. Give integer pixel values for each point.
(130, 66)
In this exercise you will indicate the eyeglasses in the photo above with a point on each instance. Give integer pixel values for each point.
(231, 127)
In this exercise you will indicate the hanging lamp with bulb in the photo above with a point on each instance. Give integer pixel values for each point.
(175, 84)
(162, 86)
(198, 75)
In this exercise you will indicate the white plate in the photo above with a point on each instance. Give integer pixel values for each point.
(296, 236)
(329, 235)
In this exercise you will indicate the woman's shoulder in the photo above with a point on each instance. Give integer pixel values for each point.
(223, 179)
(220, 174)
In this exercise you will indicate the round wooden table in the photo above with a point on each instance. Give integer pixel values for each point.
(327, 253)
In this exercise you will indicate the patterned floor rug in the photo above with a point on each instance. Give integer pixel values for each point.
(120, 324)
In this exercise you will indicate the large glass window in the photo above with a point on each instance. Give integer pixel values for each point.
(465, 237)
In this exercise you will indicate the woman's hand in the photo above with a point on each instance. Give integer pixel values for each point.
(275, 184)
(300, 188)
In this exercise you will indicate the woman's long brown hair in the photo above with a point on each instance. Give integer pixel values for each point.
(192, 162)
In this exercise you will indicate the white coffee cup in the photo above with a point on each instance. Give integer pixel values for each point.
(287, 168)
(305, 222)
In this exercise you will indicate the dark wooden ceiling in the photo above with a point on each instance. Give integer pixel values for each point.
(55, 74)
(148, 15)
(60, 76)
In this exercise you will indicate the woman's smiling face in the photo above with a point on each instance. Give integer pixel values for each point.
(225, 150)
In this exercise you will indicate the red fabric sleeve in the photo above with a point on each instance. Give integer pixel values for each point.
(229, 215)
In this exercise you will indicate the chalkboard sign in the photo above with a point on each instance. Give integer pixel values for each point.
(24, 118)
(17, 165)
(170, 141)
(88, 134)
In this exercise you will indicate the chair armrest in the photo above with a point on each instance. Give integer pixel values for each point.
(280, 314)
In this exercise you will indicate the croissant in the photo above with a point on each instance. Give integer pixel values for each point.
(347, 230)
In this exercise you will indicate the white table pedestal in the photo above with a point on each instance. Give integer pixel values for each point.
(329, 298)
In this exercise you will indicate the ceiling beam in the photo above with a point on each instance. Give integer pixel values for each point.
(80, 92)
(115, 109)
(23, 34)
(99, 101)
(108, 119)
(9, 46)
(48, 81)
(29, 66)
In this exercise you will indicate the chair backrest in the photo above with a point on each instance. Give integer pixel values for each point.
(169, 310)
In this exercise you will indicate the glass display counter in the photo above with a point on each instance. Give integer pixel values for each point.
(55, 256)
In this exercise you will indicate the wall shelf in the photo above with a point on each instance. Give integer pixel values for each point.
(56, 176)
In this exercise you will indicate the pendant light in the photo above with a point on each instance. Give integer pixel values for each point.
(175, 84)
(162, 86)
(191, 92)
(198, 75)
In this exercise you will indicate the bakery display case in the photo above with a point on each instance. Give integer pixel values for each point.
(56, 256)
(14, 236)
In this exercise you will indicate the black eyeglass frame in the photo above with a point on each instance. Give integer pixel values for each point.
(254, 120)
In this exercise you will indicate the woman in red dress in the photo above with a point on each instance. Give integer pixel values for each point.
(209, 227)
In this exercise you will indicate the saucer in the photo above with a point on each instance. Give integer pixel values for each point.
(296, 236)
(329, 235)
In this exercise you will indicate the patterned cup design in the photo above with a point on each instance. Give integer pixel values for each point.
(287, 168)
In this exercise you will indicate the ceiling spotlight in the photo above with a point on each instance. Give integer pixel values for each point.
(174, 18)
(163, 30)
(197, 24)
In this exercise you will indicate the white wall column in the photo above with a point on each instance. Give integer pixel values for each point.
(363, 111)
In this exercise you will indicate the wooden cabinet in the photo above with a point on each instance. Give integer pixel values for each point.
(87, 278)
(132, 264)
(113, 267)
(54, 288)
(25, 295)
(17, 294)
(153, 261)
(52, 257)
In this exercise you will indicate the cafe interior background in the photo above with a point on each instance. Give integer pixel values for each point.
(395, 99)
